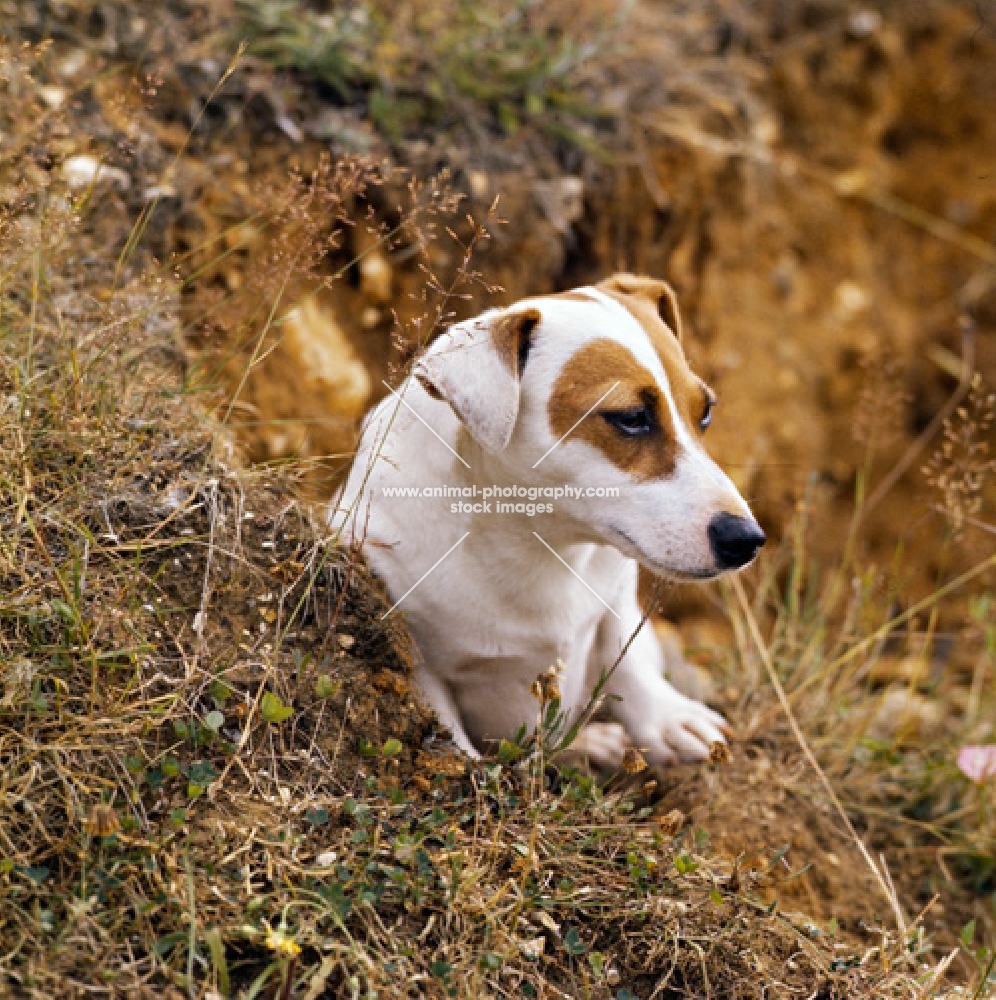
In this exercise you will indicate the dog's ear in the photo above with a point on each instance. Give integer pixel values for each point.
(660, 293)
(475, 366)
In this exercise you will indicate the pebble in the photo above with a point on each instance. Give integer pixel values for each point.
(82, 172)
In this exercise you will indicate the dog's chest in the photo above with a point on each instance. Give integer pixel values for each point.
(490, 643)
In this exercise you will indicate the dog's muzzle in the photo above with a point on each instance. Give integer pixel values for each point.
(734, 540)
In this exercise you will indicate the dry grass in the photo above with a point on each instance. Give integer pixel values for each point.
(214, 777)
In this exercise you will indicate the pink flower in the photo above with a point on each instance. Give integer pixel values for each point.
(978, 763)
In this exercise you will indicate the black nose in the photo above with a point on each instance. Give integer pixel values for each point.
(734, 540)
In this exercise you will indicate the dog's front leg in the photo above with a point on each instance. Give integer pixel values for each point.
(440, 700)
(662, 723)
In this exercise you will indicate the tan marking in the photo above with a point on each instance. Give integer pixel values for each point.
(651, 302)
(428, 386)
(586, 377)
(575, 296)
(650, 591)
(508, 332)
(660, 293)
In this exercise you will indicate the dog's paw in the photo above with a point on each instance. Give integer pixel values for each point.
(680, 729)
(600, 747)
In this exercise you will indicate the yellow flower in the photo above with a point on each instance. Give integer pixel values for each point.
(281, 942)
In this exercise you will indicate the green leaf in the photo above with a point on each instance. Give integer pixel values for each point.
(778, 855)
(597, 962)
(366, 748)
(685, 864)
(274, 710)
(391, 748)
(326, 687)
(166, 944)
(573, 944)
(439, 968)
(491, 962)
(967, 935)
(317, 817)
(716, 896)
(508, 753)
(202, 772)
(220, 691)
(214, 720)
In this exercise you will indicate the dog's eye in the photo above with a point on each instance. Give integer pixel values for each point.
(632, 422)
(707, 415)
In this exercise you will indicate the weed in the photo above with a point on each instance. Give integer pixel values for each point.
(477, 68)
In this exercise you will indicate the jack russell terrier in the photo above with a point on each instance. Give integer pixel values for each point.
(585, 397)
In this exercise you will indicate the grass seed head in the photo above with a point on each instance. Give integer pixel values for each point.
(103, 821)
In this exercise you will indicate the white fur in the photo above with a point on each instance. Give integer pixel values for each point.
(500, 608)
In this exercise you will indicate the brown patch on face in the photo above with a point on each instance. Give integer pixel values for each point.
(510, 333)
(654, 305)
(585, 379)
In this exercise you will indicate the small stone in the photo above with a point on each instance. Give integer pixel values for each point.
(850, 183)
(534, 947)
(849, 301)
(863, 23)
(376, 277)
(54, 97)
(480, 184)
(82, 172)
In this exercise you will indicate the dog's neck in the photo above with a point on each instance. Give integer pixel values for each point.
(490, 469)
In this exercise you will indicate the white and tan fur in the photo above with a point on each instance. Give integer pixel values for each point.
(501, 390)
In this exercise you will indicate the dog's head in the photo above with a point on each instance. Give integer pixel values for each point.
(591, 388)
